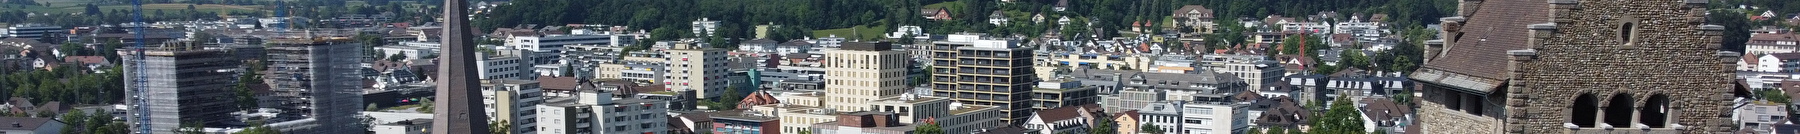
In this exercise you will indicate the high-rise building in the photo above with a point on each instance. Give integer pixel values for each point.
(692, 67)
(200, 96)
(973, 70)
(321, 78)
(861, 72)
(513, 101)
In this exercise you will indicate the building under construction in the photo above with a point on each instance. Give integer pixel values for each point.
(183, 84)
(319, 78)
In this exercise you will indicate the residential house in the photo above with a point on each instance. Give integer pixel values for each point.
(1197, 17)
(998, 18)
(1769, 43)
(1760, 115)
(1074, 119)
(24, 125)
(936, 14)
(1128, 122)
(1779, 63)
(1382, 114)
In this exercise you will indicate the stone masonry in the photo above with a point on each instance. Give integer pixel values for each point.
(1577, 66)
(1658, 54)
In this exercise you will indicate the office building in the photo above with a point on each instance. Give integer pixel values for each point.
(599, 112)
(505, 63)
(555, 43)
(319, 78)
(973, 70)
(32, 31)
(692, 67)
(513, 101)
(1061, 93)
(861, 72)
(200, 96)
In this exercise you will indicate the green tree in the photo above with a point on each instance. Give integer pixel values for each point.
(1353, 58)
(805, 132)
(1153, 129)
(1276, 130)
(427, 106)
(74, 120)
(371, 107)
(928, 128)
(259, 129)
(189, 128)
(397, 57)
(1105, 127)
(499, 127)
(1340, 118)
(1254, 131)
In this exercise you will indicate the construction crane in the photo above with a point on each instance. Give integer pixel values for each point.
(138, 77)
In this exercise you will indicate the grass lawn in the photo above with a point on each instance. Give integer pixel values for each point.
(859, 32)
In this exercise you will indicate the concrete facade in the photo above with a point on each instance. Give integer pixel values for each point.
(320, 78)
(200, 98)
(863, 72)
(692, 67)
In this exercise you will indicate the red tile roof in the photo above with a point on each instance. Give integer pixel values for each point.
(86, 59)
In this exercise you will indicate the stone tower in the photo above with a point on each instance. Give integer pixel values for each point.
(1577, 66)
(458, 99)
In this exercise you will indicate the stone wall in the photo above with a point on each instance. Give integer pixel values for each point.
(1621, 48)
(1436, 119)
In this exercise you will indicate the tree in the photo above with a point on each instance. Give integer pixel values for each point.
(397, 57)
(189, 128)
(1341, 118)
(371, 107)
(1736, 27)
(74, 119)
(1353, 58)
(1105, 127)
(1276, 130)
(259, 129)
(1254, 131)
(499, 127)
(427, 106)
(805, 132)
(928, 128)
(1153, 129)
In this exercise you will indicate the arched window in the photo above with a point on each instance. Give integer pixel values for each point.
(1584, 110)
(1655, 111)
(1619, 110)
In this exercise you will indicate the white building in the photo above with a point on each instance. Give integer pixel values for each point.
(1768, 43)
(1311, 27)
(1254, 69)
(598, 113)
(1197, 117)
(704, 27)
(31, 31)
(1760, 115)
(412, 50)
(553, 44)
(1779, 62)
(513, 101)
(506, 64)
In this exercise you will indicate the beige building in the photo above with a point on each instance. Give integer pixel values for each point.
(513, 101)
(795, 118)
(861, 72)
(692, 67)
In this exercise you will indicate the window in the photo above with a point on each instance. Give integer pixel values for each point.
(1584, 110)
(1655, 112)
(1619, 109)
